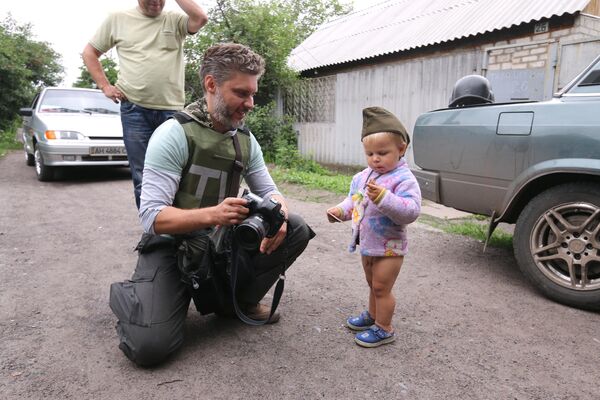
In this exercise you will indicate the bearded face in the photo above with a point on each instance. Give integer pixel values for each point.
(230, 102)
(222, 113)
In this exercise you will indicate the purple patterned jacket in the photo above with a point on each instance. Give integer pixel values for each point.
(380, 228)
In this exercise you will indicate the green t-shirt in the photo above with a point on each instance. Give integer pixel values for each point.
(150, 50)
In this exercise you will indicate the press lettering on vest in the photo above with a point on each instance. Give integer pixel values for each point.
(205, 174)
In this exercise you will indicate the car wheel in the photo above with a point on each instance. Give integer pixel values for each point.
(29, 159)
(557, 244)
(44, 172)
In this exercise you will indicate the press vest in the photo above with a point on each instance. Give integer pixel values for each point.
(208, 175)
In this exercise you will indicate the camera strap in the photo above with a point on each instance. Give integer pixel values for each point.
(240, 255)
(238, 167)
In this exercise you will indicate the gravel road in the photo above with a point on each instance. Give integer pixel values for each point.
(470, 327)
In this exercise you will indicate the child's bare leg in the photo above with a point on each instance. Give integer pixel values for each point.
(367, 263)
(384, 271)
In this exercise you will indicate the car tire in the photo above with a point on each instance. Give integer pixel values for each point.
(29, 159)
(44, 172)
(556, 241)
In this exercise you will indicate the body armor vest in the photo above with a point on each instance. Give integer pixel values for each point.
(208, 176)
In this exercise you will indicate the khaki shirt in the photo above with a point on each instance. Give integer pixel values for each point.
(150, 51)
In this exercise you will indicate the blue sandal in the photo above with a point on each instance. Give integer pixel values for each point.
(374, 336)
(360, 323)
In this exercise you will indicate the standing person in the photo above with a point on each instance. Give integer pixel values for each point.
(383, 199)
(150, 86)
(189, 188)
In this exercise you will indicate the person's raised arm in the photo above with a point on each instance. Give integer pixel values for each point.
(197, 16)
(91, 59)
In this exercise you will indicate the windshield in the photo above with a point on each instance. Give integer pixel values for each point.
(77, 101)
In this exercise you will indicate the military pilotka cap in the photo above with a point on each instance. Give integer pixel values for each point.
(378, 119)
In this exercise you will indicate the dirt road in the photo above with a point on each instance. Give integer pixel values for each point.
(469, 326)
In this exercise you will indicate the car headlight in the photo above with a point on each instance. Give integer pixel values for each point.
(63, 135)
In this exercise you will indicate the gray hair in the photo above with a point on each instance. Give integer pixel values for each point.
(224, 59)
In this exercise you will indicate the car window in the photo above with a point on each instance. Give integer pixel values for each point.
(590, 83)
(77, 101)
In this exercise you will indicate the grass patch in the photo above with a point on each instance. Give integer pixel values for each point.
(336, 183)
(474, 227)
(8, 141)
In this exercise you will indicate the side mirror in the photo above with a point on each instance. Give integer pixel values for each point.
(26, 112)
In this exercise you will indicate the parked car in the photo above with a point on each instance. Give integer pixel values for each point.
(536, 164)
(71, 127)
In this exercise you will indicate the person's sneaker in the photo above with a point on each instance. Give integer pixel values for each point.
(260, 312)
(374, 336)
(360, 323)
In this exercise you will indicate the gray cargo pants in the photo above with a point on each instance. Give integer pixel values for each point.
(151, 307)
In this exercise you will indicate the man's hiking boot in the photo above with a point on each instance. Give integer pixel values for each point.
(260, 312)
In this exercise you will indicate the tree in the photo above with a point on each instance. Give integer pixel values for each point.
(110, 69)
(26, 66)
(272, 28)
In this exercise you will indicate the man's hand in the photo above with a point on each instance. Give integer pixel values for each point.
(269, 245)
(113, 93)
(230, 211)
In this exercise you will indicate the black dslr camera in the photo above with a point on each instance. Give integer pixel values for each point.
(264, 220)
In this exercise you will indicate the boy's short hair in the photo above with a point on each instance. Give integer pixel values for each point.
(378, 119)
(224, 59)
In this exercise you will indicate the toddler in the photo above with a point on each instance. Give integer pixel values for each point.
(383, 199)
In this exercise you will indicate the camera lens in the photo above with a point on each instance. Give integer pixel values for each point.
(251, 232)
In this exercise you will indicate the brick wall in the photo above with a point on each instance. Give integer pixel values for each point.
(533, 51)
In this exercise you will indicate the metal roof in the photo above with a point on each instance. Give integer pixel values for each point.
(398, 25)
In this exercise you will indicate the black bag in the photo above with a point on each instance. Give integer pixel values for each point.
(214, 272)
(204, 265)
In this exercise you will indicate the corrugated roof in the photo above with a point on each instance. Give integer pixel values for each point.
(398, 25)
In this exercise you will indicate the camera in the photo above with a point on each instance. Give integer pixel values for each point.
(264, 220)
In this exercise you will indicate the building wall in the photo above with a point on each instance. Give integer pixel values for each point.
(409, 87)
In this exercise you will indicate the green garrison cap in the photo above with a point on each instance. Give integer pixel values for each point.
(378, 119)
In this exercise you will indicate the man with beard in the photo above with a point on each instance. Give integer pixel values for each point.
(190, 187)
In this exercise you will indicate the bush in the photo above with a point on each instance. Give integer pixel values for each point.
(278, 140)
(270, 131)
(8, 139)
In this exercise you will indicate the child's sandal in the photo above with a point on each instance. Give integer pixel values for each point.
(360, 323)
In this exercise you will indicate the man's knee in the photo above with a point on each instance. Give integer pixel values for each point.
(300, 234)
(149, 346)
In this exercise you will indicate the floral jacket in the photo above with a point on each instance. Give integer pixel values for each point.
(380, 227)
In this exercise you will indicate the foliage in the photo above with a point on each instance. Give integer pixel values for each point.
(110, 69)
(270, 131)
(8, 139)
(26, 66)
(325, 180)
(272, 28)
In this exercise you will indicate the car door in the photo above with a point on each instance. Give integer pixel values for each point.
(477, 150)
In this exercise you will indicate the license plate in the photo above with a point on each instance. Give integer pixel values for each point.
(107, 151)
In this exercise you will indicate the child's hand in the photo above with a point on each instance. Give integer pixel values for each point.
(374, 190)
(334, 214)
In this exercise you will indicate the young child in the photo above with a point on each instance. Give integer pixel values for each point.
(383, 199)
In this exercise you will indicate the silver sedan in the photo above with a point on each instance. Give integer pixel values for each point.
(70, 127)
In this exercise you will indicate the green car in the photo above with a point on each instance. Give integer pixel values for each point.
(535, 164)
